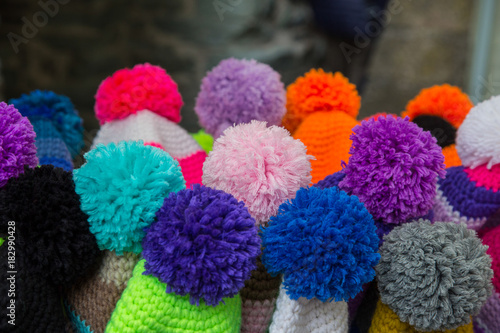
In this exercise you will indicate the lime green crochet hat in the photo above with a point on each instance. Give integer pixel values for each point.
(146, 307)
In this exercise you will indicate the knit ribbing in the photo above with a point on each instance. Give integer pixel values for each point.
(146, 307)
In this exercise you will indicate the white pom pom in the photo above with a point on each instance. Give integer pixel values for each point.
(478, 138)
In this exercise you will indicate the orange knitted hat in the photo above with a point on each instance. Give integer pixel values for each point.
(321, 112)
(449, 104)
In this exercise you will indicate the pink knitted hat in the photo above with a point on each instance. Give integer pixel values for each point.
(143, 103)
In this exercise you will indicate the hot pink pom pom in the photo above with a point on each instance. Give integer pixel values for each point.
(261, 166)
(144, 87)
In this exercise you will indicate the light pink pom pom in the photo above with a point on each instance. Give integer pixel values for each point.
(144, 87)
(261, 166)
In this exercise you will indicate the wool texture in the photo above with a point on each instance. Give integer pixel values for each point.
(237, 91)
(205, 140)
(146, 307)
(327, 138)
(160, 132)
(53, 247)
(212, 245)
(91, 300)
(59, 111)
(261, 166)
(467, 196)
(434, 276)
(488, 320)
(442, 130)
(17, 143)
(477, 138)
(144, 87)
(330, 181)
(491, 238)
(121, 187)
(393, 169)
(308, 315)
(386, 321)
(330, 236)
(318, 91)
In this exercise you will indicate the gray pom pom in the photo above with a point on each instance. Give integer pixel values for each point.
(434, 276)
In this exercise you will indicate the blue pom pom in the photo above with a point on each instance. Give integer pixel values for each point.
(58, 109)
(121, 187)
(325, 244)
(204, 244)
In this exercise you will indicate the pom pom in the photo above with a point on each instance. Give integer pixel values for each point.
(17, 143)
(204, 244)
(239, 91)
(393, 169)
(445, 101)
(324, 242)
(121, 187)
(51, 230)
(261, 166)
(318, 91)
(59, 110)
(434, 276)
(205, 140)
(478, 141)
(144, 87)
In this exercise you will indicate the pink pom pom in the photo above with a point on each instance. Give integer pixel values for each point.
(144, 87)
(261, 166)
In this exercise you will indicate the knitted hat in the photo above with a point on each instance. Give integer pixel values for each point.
(205, 140)
(441, 110)
(17, 143)
(143, 103)
(263, 167)
(52, 245)
(196, 258)
(121, 188)
(433, 276)
(239, 91)
(58, 127)
(324, 243)
(469, 193)
(321, 112)
(489, 317)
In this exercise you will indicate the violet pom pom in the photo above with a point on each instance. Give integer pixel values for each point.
(238, 91)
(51, 231)
(393, 168)
(324, 242)
(204, 244)
(17, 143)
(262, 166)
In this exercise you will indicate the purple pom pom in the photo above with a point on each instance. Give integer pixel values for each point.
(238, 91)
(393, 168)
(204, 244)
(17, 143)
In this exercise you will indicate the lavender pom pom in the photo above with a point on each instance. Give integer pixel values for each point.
(17, 143)
(393, 168)
(204, 244)
(238, 91)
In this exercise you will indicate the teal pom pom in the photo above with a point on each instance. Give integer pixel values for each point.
(121, 187)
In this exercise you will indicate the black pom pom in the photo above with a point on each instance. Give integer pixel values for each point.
(50, 228)
(441, 129)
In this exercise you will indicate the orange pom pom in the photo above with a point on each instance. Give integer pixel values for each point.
(318, 91)
(445, 101)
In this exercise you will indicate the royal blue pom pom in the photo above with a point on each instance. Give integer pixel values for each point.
(324, 243)
(121, 187)
(204, 244)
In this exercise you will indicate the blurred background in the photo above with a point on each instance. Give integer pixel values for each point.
(389, 49)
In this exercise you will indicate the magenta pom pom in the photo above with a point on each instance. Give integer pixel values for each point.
(393, 168)
(239, 91)
(144, 87)
(261, 166)
(17, 143)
